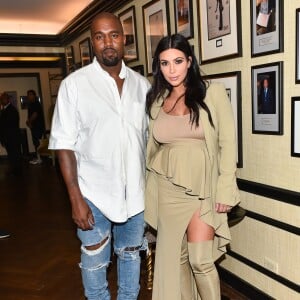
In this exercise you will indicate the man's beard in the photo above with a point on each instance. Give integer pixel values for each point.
(111, 60)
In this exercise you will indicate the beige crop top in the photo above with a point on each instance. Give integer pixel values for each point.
(168, 128)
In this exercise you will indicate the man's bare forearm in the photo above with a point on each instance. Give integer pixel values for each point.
(68, 167)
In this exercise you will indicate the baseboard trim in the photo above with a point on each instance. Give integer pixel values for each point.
(242, 286)
(261, 269)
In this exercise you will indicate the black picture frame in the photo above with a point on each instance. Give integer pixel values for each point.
(85, 50)
(156, 26)
(128, 20)
(267, 107)
(70, 61)
(297, 69)
(295, 126)
(220, 30)
(232, 83)
(266, 27)
(139, 69)
(183, 12)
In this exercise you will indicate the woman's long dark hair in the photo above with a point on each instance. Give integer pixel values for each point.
(195, 85)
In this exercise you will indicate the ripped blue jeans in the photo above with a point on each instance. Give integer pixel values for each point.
(128, 241)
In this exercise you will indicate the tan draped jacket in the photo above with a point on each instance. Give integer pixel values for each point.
(221, 146)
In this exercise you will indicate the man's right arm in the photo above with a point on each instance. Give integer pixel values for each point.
(81, 212)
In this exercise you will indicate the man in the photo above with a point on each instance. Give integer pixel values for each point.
(10, 134)
(35, 122)
(267, 100)
(99, 129)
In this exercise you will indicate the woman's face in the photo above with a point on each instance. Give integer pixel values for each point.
(174, 66)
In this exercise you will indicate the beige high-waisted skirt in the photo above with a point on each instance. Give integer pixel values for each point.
(181, 172)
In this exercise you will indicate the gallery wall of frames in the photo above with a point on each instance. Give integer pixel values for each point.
(253, 48)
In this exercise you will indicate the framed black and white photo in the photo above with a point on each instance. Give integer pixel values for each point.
(156, 26)
(295, 127)
(85, 52)
(267, 98)
(298, 45)
(220, 29)
(266, 26)
(183, 11)
(232, 83)
(128, 21)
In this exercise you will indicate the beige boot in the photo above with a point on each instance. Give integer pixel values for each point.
(185, 273)
(204, 270)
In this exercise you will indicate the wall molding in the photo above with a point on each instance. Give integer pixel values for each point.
(278, 224)
(292, 285)
(70, 32)
(274, 193)
(241, 285)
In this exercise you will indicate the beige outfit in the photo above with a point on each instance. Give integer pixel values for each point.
(184, 175)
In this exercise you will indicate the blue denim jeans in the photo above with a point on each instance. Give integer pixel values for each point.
(128, 241)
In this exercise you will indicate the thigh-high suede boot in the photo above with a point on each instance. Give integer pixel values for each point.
(204, 270)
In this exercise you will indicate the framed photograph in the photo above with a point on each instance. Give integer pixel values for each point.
(220, 30)
(298, 45)
(267, 98)
(183, 12)
(69, 53)
(232, 83)
(85, 50)
(128, 21)
(266, 26)
(139, 69)
(295, 127)
(156, 26)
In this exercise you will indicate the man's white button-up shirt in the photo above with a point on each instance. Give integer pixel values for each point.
(107, 133)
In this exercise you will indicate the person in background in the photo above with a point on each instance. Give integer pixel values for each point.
(10, 137)
(99, 131)
(36, 123)
(191, 181)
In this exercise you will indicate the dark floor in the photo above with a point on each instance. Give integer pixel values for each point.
(39, 260)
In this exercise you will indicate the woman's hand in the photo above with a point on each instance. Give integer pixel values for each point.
(223, 208)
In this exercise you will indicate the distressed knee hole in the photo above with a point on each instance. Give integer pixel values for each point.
(94, 257)
(95, 249)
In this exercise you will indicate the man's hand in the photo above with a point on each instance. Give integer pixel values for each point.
(222, 208)
(82, 215)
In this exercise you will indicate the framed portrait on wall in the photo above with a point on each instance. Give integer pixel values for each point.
(267, 98)
(232, 83)
(156, 26)
(266, 26)
(220, 30)
(183, 12)
(295, 127)
(85, 51)
(128, 21)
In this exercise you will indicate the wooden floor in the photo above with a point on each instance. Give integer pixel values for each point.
(40, 259)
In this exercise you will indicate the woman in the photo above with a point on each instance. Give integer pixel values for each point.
(191, 183)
